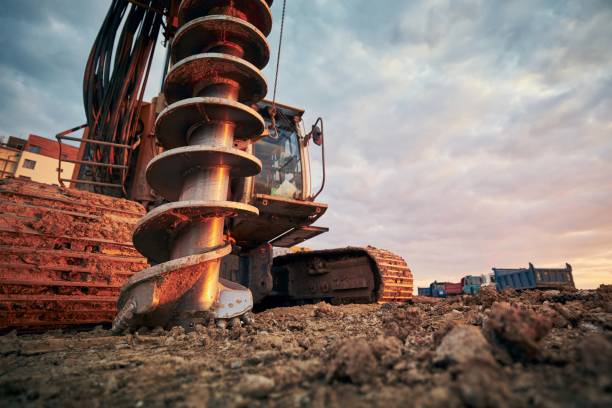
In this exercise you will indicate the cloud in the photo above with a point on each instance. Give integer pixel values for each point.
(460, 134)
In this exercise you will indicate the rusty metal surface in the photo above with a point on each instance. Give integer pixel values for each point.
(256, 12)
(157, 228)
(343, 275)
(140, 191)
(64, 254)
(213, 29)
(174, 122)
(202, 70)
(209, 89)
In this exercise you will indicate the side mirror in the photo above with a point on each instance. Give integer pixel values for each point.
(317, 135)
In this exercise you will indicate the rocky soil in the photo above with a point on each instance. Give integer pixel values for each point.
(530, 349)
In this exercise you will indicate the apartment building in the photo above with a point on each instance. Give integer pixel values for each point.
(38, 160)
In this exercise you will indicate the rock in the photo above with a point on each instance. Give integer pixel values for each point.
(484, 385)
(267, 341)
(515, 330)
(438, 397)
(296, 372)
(401, 321)
(569, 315)
(550, 294)
(595, 354)
(557, 319)
(387, 306)
(486, 296)
(414, 376)
(444, 329)
(323, 309)
(263, 356)
(354, 361)
(588, 327)
(177, 331)
(256, 386)
(175, 334)
(462, 345)
(387, 350)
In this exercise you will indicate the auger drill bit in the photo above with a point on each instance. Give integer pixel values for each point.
(217, 53)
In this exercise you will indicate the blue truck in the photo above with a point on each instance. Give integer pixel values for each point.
(472, 283)
(424, 291)
(534, 278)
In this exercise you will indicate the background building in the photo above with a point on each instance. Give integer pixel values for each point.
(36, 158)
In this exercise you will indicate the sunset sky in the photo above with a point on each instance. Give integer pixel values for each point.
(460, 134)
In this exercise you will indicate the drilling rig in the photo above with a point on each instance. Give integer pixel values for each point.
(223, 174)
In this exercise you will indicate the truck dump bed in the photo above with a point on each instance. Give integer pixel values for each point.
(532, 278)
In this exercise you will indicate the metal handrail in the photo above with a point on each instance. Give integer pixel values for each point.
(63, 136)
(95, 183)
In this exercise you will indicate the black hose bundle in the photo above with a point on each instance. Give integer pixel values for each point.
(113, 86)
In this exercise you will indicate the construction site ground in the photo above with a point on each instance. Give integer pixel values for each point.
(536, 348)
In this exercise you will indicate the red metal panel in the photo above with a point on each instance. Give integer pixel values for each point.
(50, 148)
(453, 288)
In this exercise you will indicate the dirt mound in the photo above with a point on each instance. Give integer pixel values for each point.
(521, 349)
(517, 330)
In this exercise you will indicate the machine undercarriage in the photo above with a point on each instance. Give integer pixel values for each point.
(66, 254)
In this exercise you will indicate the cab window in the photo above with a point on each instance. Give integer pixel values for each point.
(281, 172)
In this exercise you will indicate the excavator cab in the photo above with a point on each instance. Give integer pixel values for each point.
(282, 190)
(281, 158)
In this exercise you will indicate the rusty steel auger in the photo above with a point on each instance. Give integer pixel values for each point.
(217, 52)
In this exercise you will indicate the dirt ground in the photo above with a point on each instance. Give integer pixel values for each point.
(536, 348)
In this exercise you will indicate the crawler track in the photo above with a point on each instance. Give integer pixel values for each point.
(64, 254)
(343, 275)
(395, 276)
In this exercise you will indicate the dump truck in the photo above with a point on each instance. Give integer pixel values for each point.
(202, 182)
(426, 291)
(534, 278)
(445, 289)
(472, 283)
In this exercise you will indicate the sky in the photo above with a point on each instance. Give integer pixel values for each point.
(460, 134)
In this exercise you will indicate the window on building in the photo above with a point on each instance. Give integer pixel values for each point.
(34, 149)
(29, 164)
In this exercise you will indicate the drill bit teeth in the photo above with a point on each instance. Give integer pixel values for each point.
(217, 53)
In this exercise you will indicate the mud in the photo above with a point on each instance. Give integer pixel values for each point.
(510, 349)
(64, 253)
